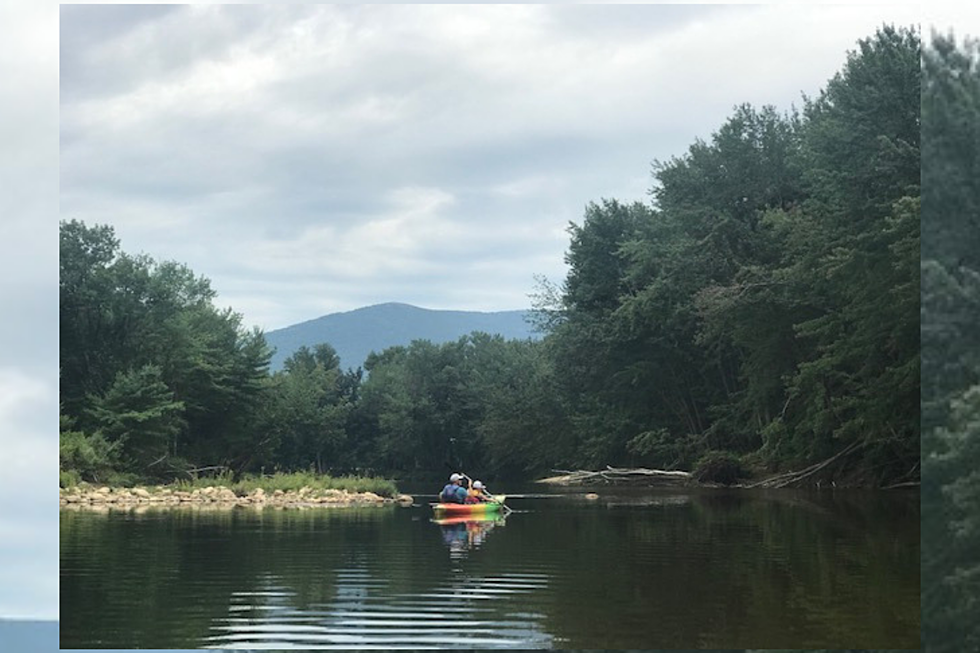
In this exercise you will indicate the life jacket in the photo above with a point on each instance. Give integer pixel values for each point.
(448, 494)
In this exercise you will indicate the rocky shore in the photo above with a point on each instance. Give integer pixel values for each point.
(220, 497)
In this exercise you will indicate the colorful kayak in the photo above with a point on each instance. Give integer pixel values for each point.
(481, 518)
(470, 508)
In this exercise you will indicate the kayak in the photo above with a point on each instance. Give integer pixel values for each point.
(451, 519)
(470, 508)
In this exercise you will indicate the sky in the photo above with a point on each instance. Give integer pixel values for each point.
(310, 160)
(315, 159)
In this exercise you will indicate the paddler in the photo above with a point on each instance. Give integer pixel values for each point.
(454, 492)
(477, 493)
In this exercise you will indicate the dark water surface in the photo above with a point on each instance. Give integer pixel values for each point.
(709, 569)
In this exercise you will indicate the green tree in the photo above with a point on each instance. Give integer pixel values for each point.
(125, 315)
(850, 259)
(950, 305)
(309, 411)
(138, 414)
(89, 456)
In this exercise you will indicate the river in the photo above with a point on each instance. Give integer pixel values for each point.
(629, 570)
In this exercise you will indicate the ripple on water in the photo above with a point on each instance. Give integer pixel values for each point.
(457, 612)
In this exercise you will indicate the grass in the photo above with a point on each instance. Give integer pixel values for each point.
(293, 482)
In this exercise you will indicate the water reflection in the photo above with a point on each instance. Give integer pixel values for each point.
(622, 570)
(461, 610)
(463, 534)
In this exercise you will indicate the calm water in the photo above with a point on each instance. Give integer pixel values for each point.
(640, 570)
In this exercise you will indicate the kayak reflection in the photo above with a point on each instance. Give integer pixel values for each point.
(463, 533)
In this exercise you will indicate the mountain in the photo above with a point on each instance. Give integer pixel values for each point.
(357, 333)
(29, 636)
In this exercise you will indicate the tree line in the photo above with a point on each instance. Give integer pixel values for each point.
(758, 311)
(950, 313)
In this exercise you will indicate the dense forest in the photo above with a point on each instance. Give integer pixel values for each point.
(951, 345)
(760, 310)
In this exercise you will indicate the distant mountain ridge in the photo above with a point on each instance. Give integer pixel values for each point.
(29, 636)
(355, 334)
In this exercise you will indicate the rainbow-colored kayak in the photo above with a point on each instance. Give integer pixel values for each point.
(470, 508)
(482, 518)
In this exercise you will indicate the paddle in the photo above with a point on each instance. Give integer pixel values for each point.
(499, 498)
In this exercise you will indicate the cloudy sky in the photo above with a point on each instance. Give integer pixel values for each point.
(309, 160)
(313, 159)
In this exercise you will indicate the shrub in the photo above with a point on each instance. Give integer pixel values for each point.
(116, 478)
(718, 467)
(293, 482)
(89, 456)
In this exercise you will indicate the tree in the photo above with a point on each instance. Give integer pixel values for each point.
(139, 415)
(850, 259)
(127, 320)
(309, 411)
(950, 305)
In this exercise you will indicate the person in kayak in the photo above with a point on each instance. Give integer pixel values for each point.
(454, 492)
(476, 493)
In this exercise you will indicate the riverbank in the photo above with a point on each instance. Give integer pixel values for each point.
(220, 497)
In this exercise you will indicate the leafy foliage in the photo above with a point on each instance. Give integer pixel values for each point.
(292, 482)
(148, 363)
(718, 467)
(84, 455)
(950, 305)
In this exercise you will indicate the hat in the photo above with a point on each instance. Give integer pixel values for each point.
(454, 477)
(478, 485)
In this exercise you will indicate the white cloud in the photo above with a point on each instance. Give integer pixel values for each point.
(962, 18)
(28, 498)
(28, 408)
(336, 156)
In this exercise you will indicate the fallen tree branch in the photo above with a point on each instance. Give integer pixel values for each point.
(789, 478)
(614, 475)
(193, 472)
(903, 484)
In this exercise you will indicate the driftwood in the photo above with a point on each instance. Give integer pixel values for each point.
(619, 476)
(792, 478)
(903, 484)
(659, 477)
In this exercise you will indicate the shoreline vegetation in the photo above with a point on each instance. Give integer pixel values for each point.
(297, 490)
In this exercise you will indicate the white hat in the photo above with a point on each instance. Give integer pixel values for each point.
(478, 485)
(454, 477)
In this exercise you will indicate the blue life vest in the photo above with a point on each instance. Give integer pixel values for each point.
(448, 494)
